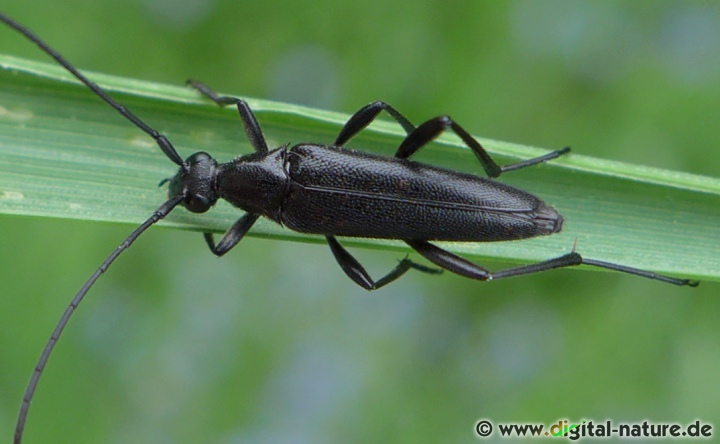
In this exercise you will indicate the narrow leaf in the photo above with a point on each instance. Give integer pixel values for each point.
(66, 154)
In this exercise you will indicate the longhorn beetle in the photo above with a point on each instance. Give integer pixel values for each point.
(332, 191)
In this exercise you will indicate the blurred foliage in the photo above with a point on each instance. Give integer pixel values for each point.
(273, 343)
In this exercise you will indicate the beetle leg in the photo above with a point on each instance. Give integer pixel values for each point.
(573, 258)
(357, 273)
(364, 116)
(232, 236)
(250, 124)
(458, 265)
(432, 128)
(211, 94)
(566, 260)
(637, 272)
(448, 261)
(463, 267)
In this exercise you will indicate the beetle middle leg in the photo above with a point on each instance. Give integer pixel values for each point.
(355, 271)
(432, 128)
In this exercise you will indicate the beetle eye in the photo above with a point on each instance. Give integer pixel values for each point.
(197, 203)
(198, 157)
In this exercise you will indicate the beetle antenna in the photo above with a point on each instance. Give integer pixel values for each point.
(160, 139)
(160, 213)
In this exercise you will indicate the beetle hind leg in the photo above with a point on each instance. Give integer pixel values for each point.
(429, 130)
(458, 265)
(448, 261)
(642, 273)
(355, 271)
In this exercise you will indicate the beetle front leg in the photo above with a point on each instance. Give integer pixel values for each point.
(360, 276)
(364, 116)
(250, 124)
(432, 128)
(232, 236)
(211, 94)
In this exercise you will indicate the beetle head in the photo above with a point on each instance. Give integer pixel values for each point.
(195, 181)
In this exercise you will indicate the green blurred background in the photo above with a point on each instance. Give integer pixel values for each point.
(273, 343)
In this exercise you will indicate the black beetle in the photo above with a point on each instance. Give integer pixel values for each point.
(333, 191)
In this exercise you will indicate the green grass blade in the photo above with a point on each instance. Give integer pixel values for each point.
(66, 154)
